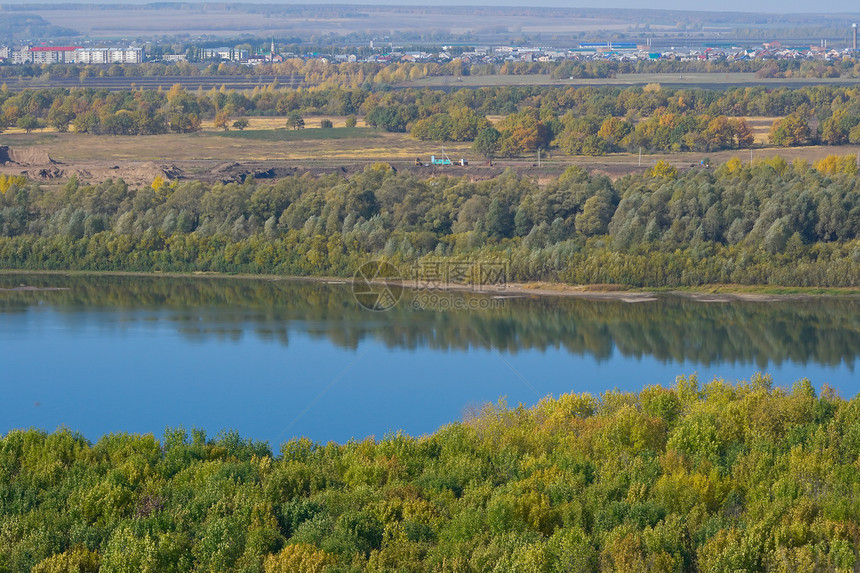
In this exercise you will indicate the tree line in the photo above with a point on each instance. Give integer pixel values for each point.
(382, 73)
(691, 477)
(577, 121)
(769, 222)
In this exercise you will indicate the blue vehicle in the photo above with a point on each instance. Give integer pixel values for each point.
(442, 160)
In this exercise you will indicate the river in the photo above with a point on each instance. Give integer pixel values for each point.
(274, 359)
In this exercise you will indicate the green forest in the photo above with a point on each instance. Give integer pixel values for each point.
(695, 477)
(766, 223)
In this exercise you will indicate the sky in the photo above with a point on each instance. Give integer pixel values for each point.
(774, 6)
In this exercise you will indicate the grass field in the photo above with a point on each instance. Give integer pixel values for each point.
(342, 144)
(277, 122)
(284, 134)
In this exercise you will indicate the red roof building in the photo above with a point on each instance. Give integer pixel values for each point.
(55, 48)
(52, 54)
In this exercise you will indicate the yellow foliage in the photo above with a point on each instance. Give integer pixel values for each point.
(721, 551)
(681, 489)
(79, 559)
(569, 406)
(834, 164)
(734, 164)
(663, 169)
(6, 181)
(624, 554)
(529, 558)
(176, 90)
(380, 166)
(629, 430)
(778, 163)
(298, 558)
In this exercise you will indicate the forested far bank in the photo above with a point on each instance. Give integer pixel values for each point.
(765, 223)
(692, 477)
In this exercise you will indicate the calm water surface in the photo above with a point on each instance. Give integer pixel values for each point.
(275, 359)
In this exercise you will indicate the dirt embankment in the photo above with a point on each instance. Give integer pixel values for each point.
(27, 157)
(37, 165)
(42, 167)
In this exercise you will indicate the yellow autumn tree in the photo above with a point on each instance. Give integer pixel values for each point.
(663, 169)
(298, 558)
(833, 164)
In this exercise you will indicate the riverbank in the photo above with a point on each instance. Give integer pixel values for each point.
(705, 293)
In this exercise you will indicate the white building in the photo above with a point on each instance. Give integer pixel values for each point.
(76, 54)
(109, 55)
(231, 54)
(45, 55)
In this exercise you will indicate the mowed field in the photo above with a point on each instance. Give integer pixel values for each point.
(341, 144)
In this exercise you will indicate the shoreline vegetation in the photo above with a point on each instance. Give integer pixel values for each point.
(767, 224)
(695, 477)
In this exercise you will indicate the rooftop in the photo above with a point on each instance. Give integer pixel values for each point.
(55, 48)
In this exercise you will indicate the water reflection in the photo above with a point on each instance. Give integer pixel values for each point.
(823, 331)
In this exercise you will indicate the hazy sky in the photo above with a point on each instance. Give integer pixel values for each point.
(784, 6)
(777, 6)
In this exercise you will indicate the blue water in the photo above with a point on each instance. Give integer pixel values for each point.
(99, 368)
